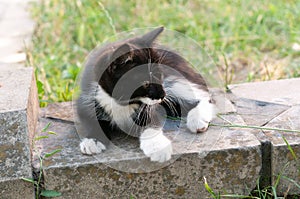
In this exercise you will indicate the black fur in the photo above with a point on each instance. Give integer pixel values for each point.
(128, 71)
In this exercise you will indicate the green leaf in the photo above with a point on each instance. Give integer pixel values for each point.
(52, 133)
(40, 87)
(46, 127)
(31, 180)
(41, 137)
(47, 155)
(50, 193)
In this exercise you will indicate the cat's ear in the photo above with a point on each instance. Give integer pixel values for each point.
(147, 39)
(123, 52)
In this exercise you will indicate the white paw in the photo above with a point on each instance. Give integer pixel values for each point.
(155, 145)
(91, 146)
(199, 117)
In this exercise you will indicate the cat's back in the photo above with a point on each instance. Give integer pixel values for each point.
(176, 67)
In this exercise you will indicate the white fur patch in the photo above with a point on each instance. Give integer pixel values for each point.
(120, 114)
(148, 101)
(91, 146)
(184, 89)
(155, 145)
(199, 117)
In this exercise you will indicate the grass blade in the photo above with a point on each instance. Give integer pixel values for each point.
(47, 155)
(254, 127)
(210, 191)
(274, 192)
(50, 193)
(51, 133)
(290, 148)
(46, 127)
(292, 181)
(31, 180)
(280, 175)
(238, 196)
(41, 137)
(111, 23)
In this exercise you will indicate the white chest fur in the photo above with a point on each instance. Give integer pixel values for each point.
(120, 114)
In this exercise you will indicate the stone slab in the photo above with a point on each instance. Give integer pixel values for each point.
(222, 101)
(282, 158)
(259, 113)
(285, 91)
(273, 104)
(255, 112)
(60, 111)
(16, 189)
(18, 118)
(230, 159)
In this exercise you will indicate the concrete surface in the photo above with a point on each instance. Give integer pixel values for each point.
(285, 92)
(18, 100)
(283, 162)
(16, 189)
(18, 118)
(230, 159)
(274, 104)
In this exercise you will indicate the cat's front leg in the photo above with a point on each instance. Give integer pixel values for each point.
(90, 146)
(199, 117)
(155, 145)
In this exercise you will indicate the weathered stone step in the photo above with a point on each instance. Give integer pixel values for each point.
(230, 159)
(18, 118)
(285, 114)
(286, 91)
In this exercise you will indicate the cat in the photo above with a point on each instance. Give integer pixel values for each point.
(130, 86)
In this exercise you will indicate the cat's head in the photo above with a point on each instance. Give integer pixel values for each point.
(133, 71)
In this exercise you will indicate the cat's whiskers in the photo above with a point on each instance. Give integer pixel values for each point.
(149, 68)
(170, 105)
(152, 109)
(134, 126)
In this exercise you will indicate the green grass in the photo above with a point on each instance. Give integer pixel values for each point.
(255, 37)
(37, 181)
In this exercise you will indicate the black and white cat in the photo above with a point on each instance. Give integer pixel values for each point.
(130, 86)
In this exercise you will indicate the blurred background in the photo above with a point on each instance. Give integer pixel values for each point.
(247, 40)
